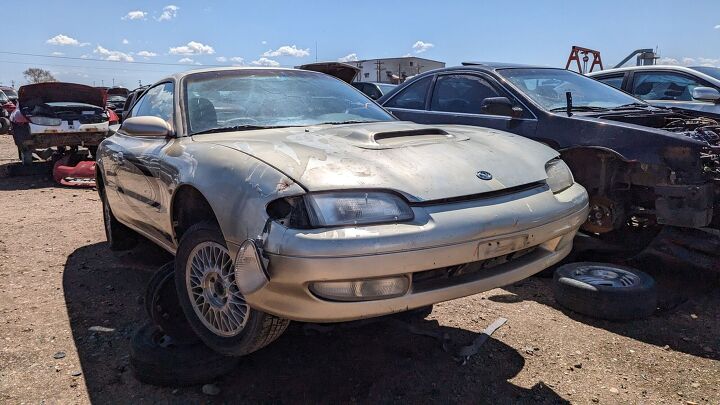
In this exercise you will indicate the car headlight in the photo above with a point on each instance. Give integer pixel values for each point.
(559, 176)
(45, 121)
(356, 208)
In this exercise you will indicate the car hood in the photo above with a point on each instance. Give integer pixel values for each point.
(33, 94)
(422, 162)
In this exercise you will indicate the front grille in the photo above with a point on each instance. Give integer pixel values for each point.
(430, 279)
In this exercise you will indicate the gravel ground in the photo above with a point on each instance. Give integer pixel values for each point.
(58, 279)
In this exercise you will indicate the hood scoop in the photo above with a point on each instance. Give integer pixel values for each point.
(409, 135)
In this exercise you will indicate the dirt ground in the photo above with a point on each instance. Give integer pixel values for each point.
(58, 279)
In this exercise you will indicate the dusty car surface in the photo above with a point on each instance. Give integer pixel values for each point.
(58, 115)
(649, 171)
(289, 195)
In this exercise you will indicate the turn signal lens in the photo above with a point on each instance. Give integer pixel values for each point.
(361, 290)
(250, 274)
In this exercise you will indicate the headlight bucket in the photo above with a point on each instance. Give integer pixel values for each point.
(559, 176)
(342, 208)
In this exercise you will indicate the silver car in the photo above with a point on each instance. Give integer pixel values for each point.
(289, 195)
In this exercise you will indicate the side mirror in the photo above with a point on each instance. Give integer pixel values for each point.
(706, 94)
(146, 126)
(500, 106)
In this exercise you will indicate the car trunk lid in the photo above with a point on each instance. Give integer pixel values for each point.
(32, 95)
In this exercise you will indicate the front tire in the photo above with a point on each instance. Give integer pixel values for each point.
(215, 308)
(119, 236)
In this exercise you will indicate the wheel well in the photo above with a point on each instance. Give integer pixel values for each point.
(596, 169)
(189, 207)
(99, 182)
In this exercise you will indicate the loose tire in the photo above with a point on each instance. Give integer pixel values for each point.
(119, 236)
(155, 360)
(163, 308)
(605, 291)
(205, 282)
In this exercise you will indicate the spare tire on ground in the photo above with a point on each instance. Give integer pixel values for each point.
(163, 307)
(156, 360)
(605, 291)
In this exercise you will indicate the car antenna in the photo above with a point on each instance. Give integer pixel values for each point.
(568, 106)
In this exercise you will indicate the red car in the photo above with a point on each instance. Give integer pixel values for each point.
(5, 103)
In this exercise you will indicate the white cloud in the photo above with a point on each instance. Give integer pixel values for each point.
(237, 59)
(64, 40)
(135, 15)
(265, 62)
(125, 41)
(688, 61)
(57, 54)
(352, 57)
(263, 42)
(186, 60)
(113, 55)
(192, 48)
(146, 54)
(287, 50)
(85, 56)
(717, 27)
(169, 12)
(221, 59)
(421, 46)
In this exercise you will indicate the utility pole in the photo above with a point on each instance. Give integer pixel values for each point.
(378, 68)
(113, 82)
(139, 83)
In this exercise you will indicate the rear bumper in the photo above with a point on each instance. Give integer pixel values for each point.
(537, 222)
(65, 139)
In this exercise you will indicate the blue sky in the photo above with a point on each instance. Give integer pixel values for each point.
(286, 33)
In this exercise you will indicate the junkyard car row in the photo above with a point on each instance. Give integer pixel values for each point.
(287, 194)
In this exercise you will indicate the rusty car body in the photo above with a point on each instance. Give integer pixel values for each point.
(645, 168)
(288, 194)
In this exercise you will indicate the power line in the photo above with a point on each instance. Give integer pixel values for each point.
(83, 67)
(101, 60)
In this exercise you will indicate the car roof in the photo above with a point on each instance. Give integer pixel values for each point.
(499, 65)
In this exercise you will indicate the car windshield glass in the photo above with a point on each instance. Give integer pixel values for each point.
(548, 87)
(10, 93)
(273, 98)
(708, 70)
(116, 98)
(385, 88)
(3, 97)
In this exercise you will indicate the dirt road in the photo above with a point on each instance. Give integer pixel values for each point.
(58, 279)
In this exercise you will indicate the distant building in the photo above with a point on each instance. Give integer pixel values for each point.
(393, 70)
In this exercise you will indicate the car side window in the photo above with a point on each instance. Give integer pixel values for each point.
(663, 86)
(615, 81)
(156, 102)
(413, 96)
(461, 93)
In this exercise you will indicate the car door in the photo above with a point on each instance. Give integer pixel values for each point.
(458, 98)
(670, 89)
(139, 165)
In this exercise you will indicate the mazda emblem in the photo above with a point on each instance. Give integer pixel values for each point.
(483, 175)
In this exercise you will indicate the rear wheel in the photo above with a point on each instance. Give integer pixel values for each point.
(214, 306)
(119, 236)
(26, 156)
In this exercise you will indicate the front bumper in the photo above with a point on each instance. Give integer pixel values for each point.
(536, 222)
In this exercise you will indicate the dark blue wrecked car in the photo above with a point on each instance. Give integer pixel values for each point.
(649, 171)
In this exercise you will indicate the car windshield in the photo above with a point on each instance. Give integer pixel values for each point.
(10, 93)
(548, 87)
(3, 98)
(385, 88)
(234, 99)
(708, 70)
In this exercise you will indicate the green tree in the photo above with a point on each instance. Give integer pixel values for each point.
(37, 75)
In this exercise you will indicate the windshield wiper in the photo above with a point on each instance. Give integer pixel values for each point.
(237, 128)
(630, 106)
(580, 108)
(346, 122)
